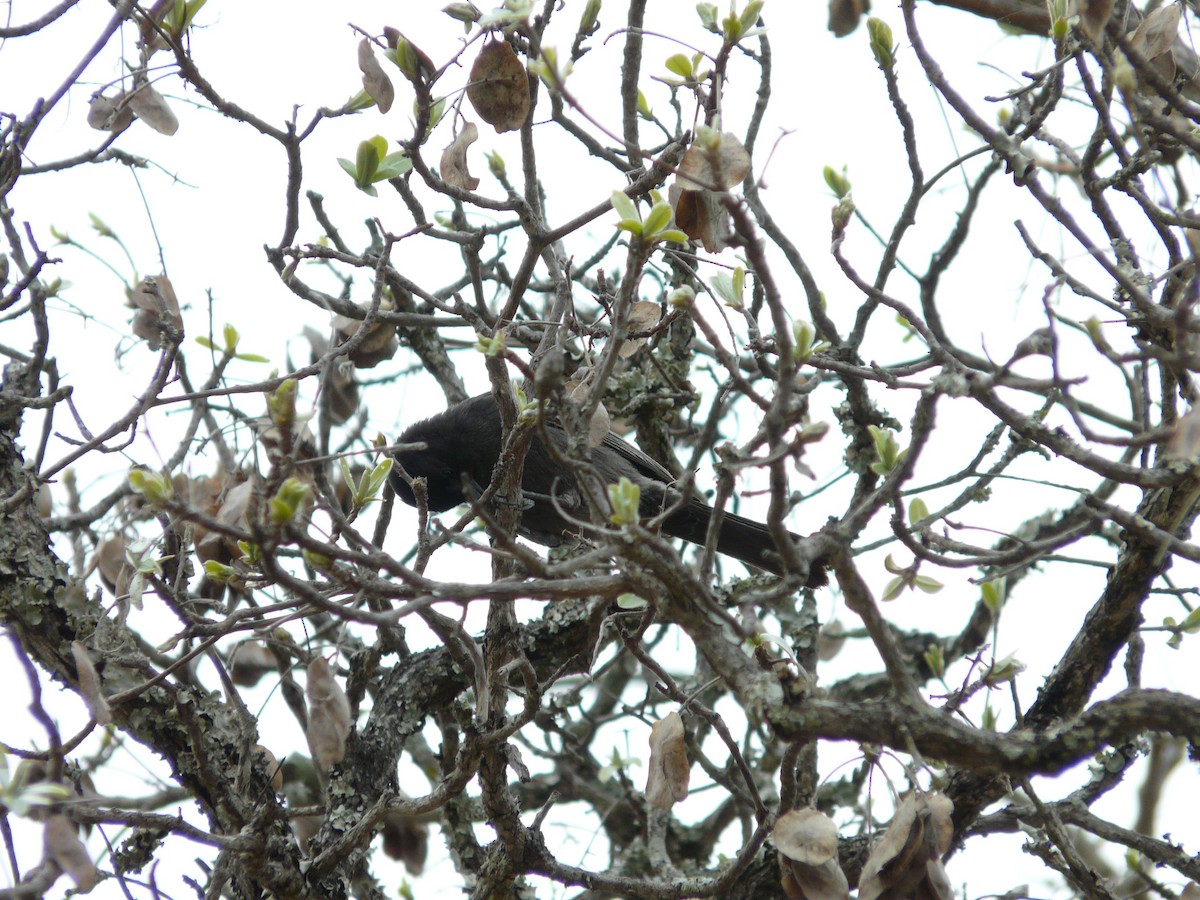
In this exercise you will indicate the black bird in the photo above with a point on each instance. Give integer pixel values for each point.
(463, 443)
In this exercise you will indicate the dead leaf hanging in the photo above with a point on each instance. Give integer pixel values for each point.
(701, 216)
(499, 88)
(328, 716)
(375, 81)
(669, 769)
(151, 107)
(643, 316)
(158, 310)
(89, 684)
(62, 844)
(714, 162)
(808, 856)
(907, 860)
(453, 165)
(109, 113)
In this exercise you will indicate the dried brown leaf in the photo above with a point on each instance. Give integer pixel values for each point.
(669, 769)
(406, 839)
(109, 113)
(89, 684)
(62, 844)
(907, 859)
(644, 315)
(158, 310)
(271, 764)
(249, 662)
(1094, 16)
(375, 81)
(499, 87)
(115, 570)
(328, 715)
(1184, 441)
(701, 216)
(453, 165)
(379, 344)
(844, 15)
(714, 162)
(1157, 32)
(152, 108)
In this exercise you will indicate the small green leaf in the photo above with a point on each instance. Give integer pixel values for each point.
(643, 107)
(682, 297)
(917, 511)
(927, 584)
(681, 65)
(219, 572)
(672, 235)
(631, 601)
(625, 498)
(992, 594)
(883, 47)
(293, 495)
(154, 486)
(392, 166)
(837, 181)
(657, 219)
(625, 206)
(490, 346)
(281, 404)
(936, 660)
(708, 15)
(496, 165)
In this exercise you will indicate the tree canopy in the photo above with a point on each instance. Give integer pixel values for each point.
(957, 415)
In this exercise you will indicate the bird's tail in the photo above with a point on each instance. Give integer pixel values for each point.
(743, 539)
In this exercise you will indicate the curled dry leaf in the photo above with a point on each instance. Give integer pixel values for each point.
(907, 860)
(714, 162)
(1154, 40)
(62, 844)
(109, 113)
(644, 315)
(701, 216)
(45, 500)
(453, 165)
(669, 769)
(339, 388)
(601, 422)
(249, 662)
(89, 684)
(1094, 16)
(1184, 441)
(830, 640)
(271, 764)
(808, 856)
(328, 715)
(375, 81)
(844, 15)
(379, 344)
(151, 107)
(1156, 33)
(499, 87)
(406, 839)
(234, 513)
(157, 310)
(115, 570)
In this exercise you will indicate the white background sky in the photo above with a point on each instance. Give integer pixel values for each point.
(213, 196)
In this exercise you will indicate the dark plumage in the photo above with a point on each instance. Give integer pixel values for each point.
(465, 440)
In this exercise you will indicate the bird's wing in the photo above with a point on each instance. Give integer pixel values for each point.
(647, 465)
